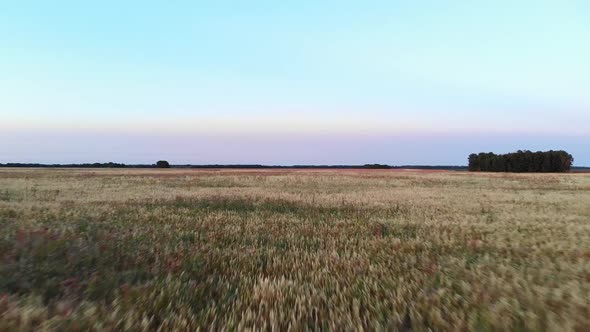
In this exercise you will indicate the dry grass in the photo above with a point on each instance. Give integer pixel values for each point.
(299, 250)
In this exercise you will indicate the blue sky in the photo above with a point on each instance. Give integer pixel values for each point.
(281, 82)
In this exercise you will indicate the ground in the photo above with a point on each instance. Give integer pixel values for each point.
(401, 250)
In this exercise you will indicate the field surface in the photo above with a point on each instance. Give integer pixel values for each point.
(293, 250)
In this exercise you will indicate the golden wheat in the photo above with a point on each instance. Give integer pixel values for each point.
(293, 250)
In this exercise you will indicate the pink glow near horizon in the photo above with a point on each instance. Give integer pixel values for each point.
(289, 149)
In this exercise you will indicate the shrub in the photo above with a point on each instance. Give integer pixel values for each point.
(162, 164)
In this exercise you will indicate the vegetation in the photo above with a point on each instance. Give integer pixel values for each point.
(85, 165)
(147, 249)
(521, 162)
(235, 166)
(162, 164)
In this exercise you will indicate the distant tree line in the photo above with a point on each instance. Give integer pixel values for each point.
(165, 164)
(366, 166)
(84, 165)
(432, 167)
(521, 162)
(551, 161)
(159, 164)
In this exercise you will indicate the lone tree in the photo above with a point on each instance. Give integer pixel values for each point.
(162, 164)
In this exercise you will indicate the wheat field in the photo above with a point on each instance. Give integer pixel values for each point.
(293, 250)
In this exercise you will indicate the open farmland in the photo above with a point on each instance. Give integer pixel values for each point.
(290, 249)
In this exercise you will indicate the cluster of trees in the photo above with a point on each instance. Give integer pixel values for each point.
(521, 161)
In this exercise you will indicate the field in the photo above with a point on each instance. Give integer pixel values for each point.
(85, 249)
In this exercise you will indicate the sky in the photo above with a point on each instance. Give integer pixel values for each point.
(292, 82)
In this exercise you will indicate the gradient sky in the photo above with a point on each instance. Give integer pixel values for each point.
(292, 82)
